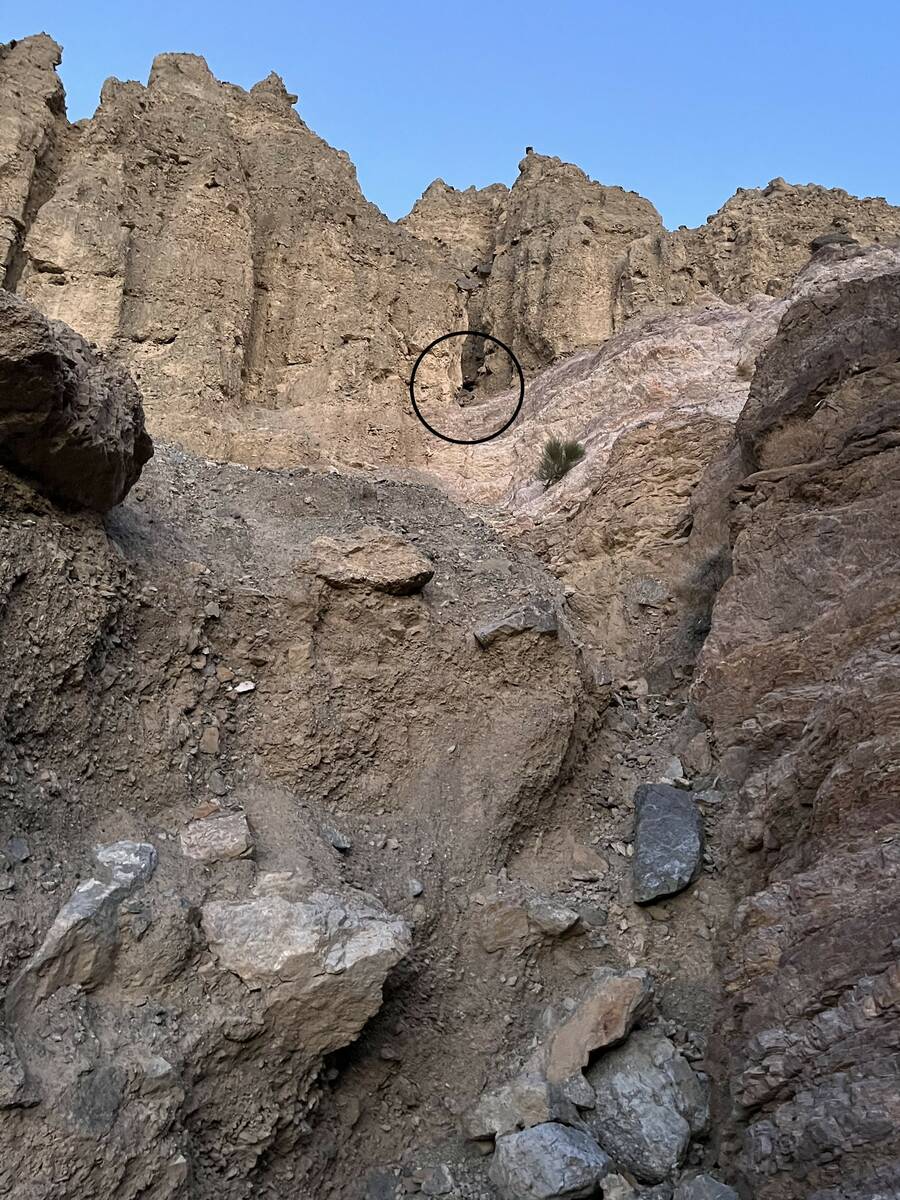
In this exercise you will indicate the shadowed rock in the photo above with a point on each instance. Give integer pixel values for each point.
(69, 420)
(668, 841)
(649, 1102)
(548, 1162)
(540, 617)
(704, 1187)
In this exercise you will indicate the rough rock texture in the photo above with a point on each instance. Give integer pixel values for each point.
(184, 662)
(757, 242)
(211, 839)
(32, 133)
(193, 205)
(649, 1103)
(68, 419)
(799, 681)
(190, 205)
(371, 558)
(548, 1162)
(178, 1055)
(520, 1104)
(604, 1017)
(668, 841)
(552, 259)
(704, 1187)
(321, 962)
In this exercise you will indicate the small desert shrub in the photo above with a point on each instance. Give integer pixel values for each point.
(557, 459)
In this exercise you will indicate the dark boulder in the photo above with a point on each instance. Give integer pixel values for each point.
(70, 421)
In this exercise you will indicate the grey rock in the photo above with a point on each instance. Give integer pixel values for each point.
(69, 420)
(617, 1187)
(128, 862)
(12, 1073)
(548, 1162)
(704, 1187)
(415, 887)
(382, 1185)
(668, 841)
(319, 962)
(538, 615)
(834, 238)
(17, 850)
(551, 918)
(578, 1091)
(523, 1102)
(81, 943)
(649, 1103)
(338, 840)
(438, 1181)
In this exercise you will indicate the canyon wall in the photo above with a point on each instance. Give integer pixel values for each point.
(321, 786)
(193, 205)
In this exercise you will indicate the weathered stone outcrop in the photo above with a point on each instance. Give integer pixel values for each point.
(800, 680)
(68, 419)
(32, 133)
(550, 263)
(757, 242)
(204, 236)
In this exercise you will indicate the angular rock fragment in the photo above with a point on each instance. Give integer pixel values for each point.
(548, 1162)
(649, 1103)
(606, 1014)
(539, 615)
(372, 558)
(321, 961)
(214, 839)
(704, 1187)
(520, 1104)
(81, 943)
(668, 841)
(550, 917)
(69, 420)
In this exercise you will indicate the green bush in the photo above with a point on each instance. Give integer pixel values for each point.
(557, 459)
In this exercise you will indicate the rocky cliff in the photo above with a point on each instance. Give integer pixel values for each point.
(192, 204)
(375, 820)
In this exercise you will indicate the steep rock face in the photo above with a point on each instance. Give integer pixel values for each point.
(205, 236)
(550, 263)
(32, 130)
(800, 681)
(757, 242)
(463, 224)
(550, 289)
(208, 239)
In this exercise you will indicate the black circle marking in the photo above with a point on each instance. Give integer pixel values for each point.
(489, 337)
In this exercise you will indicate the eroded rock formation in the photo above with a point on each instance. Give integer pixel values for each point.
(320, 871)
(799, 680)
(189, 204)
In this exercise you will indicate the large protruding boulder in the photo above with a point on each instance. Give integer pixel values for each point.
(319, 963)
(548, 1162)
(70, 420)
(649, 1103)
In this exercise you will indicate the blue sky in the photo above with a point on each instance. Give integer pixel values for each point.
(683, 102)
